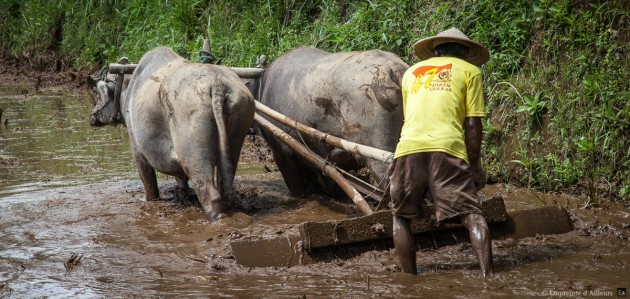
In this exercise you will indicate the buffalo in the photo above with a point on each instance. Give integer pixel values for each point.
(351, 95)
(183, 119)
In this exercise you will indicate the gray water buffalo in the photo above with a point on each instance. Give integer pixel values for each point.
(183, 119)
(352, 95)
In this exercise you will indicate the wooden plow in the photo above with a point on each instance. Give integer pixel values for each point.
(320, 241)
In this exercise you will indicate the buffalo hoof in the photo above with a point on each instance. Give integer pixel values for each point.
(214, 216)
(152, 198)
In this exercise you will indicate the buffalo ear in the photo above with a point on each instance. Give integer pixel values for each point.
(91, 81)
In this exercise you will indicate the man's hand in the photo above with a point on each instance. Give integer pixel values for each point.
(479, 177)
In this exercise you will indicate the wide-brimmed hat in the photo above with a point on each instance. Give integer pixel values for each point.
(477, 55)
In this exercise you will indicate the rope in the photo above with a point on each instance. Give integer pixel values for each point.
(327, 163)
(376, 187)
(102, 75)
(302, 138)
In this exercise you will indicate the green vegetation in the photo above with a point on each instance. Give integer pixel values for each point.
(557, 84)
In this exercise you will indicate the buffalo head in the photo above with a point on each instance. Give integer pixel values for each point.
(105, 110)
(109, 91)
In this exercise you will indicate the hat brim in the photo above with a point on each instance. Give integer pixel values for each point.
(477, 55)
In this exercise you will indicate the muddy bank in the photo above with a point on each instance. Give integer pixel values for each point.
(30, 80)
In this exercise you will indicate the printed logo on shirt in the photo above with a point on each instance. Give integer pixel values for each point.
(426, 77)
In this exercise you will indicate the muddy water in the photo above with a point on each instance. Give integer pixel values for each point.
(68, 189)
(46, 143)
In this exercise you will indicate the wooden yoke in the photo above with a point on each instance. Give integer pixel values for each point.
(120, 77)
(243, 72)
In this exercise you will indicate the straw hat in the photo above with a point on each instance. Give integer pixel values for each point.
(477, 55)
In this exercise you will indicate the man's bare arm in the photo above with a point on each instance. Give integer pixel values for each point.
(474, 135)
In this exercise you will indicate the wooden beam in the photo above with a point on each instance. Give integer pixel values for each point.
(317, 162)
(242, 72)
(360, 149)
(117, 68)
(247, 72)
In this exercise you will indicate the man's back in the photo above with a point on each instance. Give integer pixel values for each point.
(438, 93)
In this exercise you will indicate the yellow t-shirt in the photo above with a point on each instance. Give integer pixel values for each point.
(438, 93)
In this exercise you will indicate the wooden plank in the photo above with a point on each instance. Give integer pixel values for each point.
(281, 252)
(379, 226)
(548, 220)
(277, 252)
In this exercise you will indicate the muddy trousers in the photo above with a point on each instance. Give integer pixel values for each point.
(480, 240)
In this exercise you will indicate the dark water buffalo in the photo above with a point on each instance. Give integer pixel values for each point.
(183, 119)
(352, 95)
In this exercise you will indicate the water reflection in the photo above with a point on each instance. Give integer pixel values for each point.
(47, 142)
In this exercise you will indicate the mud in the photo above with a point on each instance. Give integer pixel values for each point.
(167, 248)
(131, 248)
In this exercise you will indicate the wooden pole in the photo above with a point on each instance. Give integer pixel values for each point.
(247, 72)
(363, 150)
(322, 165)
(243, 72)
(117, 68)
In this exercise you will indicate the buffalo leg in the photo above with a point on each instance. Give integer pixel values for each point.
(199, 168)
(201, 177)
(149, 179)
(182, 190)
(237, 133)
(209, 197)
(182, 182)
(287, 166)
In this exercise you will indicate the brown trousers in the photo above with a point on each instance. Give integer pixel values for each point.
(437, 176)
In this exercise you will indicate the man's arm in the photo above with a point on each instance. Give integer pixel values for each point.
(474, 135)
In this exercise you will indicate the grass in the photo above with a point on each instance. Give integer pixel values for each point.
(557, 84)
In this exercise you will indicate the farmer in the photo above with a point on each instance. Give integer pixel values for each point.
(437, 156)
